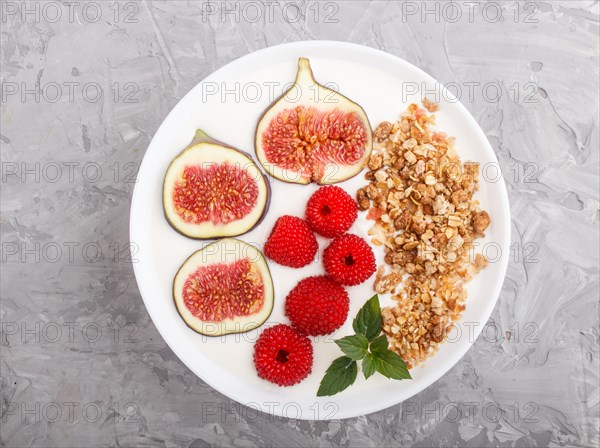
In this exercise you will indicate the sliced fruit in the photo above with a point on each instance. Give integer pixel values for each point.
(313, 134)
(212, 190)
(226, 287)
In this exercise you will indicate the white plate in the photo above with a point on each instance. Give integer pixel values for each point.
(227, 105)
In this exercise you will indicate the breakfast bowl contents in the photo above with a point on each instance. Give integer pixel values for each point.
(224, 288)
(313, 134)
(211, 190)
(321, 259)
(420, 196)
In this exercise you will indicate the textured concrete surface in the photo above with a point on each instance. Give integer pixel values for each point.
(84, 87)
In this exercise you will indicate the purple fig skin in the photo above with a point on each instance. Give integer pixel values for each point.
(257, 136)
(216, 335)
(201, 137)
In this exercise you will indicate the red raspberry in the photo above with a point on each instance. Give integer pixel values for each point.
(317, 305)
(331, 211)
(349, 259)
(283, 356)
(291, 243)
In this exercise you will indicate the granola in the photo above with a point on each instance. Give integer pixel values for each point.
(420, 196)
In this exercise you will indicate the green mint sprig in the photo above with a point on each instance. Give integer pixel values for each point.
(367, 345)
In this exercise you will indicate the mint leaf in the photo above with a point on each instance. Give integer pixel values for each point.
(369, 365)
(354, 347)
(391, 365)
(379, 345)
(367, 345)
(368, 319)
(340, 374)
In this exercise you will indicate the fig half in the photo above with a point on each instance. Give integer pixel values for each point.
(313, 134)
(224, 288)
(212, 190)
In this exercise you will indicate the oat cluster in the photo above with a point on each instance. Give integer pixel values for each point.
(420, 196)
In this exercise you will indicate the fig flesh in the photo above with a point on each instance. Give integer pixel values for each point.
(313, 134)
(212, 190)
(224, 288)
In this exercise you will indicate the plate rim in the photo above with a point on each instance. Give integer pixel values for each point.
(456, 355)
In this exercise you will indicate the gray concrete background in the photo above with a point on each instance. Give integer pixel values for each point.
(82, 363)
